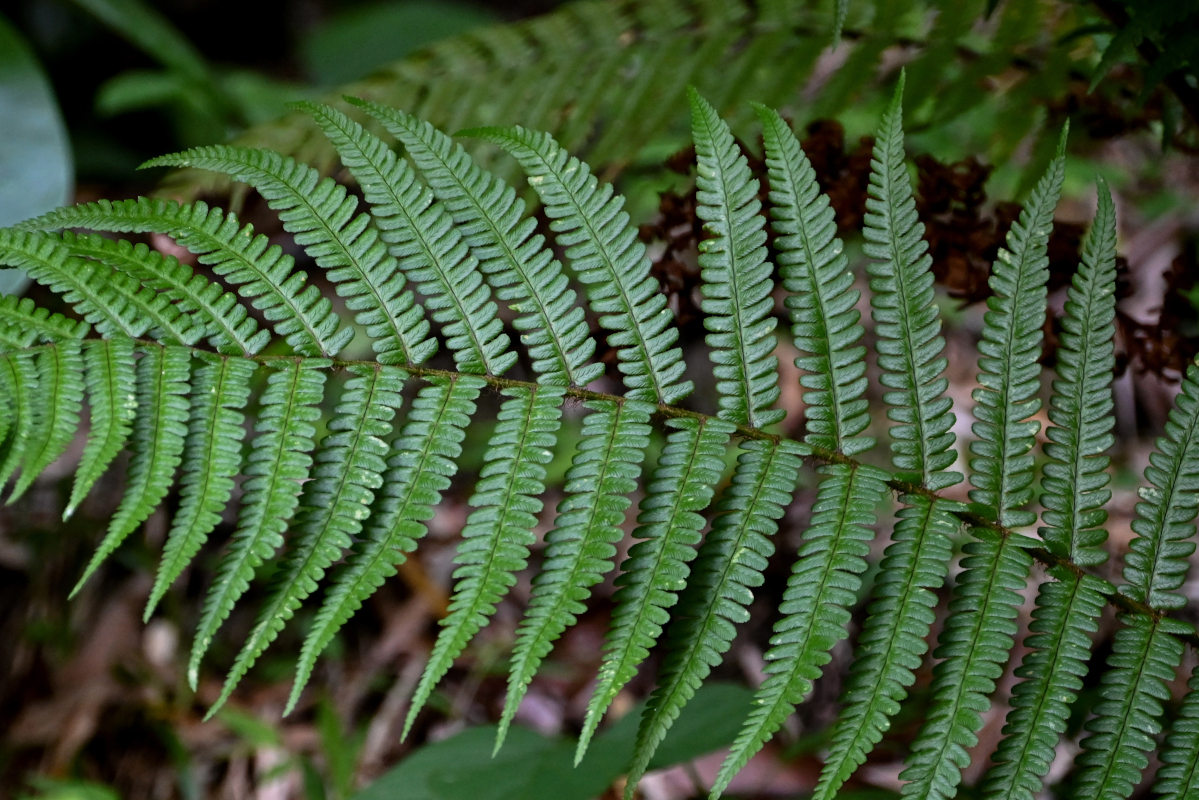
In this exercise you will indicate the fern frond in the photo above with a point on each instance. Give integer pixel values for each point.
(1073, 496)
(279, 463)
(1080, 408)
(823, 586)
(112, 395)
(892, 643)
(1066, 614)
(22, 323)
(323, 219)
(261, 273)
(20, 377)
(204, 304)
(108, 300)
(737, 301)
(424, 458)
(56, 415)
(824, 320)
(582, 544)
(212, 457)
(727, 569)
(656, 568)
(1006, 398)
(427, 246)
(1145, 655)
(1159, 554)
(908, 326)
(348, 470)
(980, 630)
(499, 531)
(590, 223)
(490, 218)
(1178, 777)
(159, 429)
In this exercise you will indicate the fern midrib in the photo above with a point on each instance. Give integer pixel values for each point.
(1167, 503)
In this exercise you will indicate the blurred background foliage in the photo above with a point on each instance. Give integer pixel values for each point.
(91, 88)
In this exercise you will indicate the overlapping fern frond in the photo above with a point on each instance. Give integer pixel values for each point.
(346, 429)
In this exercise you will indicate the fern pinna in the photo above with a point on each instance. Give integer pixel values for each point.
(347, 428)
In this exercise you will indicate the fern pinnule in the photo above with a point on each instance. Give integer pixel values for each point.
(347, 471)
(203, 307)
(589, 221)
(499, 531)
(56, 414)
(1178, 777)
(736, 287)
(22, 323)
(262, 273)
(823, 585)
(112, 396)
(159, 431)
(424, 458)
(979, 632)
(581, 546)
(279, 462)
(490, 218)
(727, 569)
(323, 219)
(815, 271)
(656, 568)
(425, 244)
(212, 457)
(1073, 495)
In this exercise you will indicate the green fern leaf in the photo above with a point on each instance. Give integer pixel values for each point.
(656, 568)
(426, 244)
(1066, 614)
(499, 531)
(20, 376)
(490, 218)
(607, 256)
(112, 395)
(728, 568)
(60, 397)
(211, 459)
(102, 297)
(1073, 496)
(910, 344)
(737, 302)
(158, 435)
(1145, 655)
(824, 320)
(581, 546)
(261, 273)
(204, 304)
(348, 470)
(892, 643)
(322, 217)
(279, 462)
(981, 627)
(22, 323)
(824, 584)
(419, 470)
(1178, 779)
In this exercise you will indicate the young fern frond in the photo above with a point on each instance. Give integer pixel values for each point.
(345, 458)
